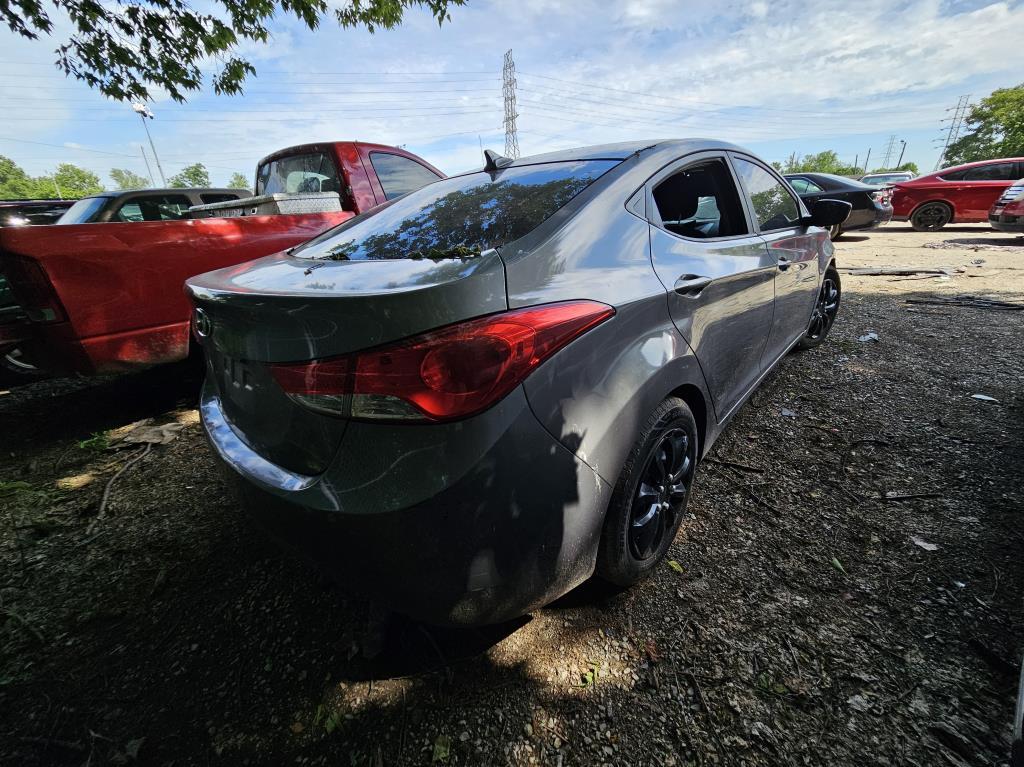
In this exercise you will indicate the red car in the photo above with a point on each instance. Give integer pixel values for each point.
(108, 297)
(962, 194)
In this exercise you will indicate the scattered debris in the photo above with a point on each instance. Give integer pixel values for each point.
(147, 432)
(984, 398)
(921, 542)
(110, 483)
(898, 271)
(973, 302)
(868, 337)
(675, 566)
(787, 413)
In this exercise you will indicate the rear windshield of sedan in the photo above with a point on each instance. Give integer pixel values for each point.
(459, 217)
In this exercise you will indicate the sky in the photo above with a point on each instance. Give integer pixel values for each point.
(777, 78)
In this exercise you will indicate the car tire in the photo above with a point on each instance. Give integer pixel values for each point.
(650, 497)
(835, 232)
(826, 307)
(931, 217)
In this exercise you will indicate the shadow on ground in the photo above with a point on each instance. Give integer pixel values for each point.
(849, 594)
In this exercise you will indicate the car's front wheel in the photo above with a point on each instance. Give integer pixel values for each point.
(650, 497)
(835, 231)
(931, 217)
(825, 310)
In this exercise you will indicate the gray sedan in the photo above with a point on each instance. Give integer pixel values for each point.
(473, 398)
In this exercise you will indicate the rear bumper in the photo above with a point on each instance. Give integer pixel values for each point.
(456, 524)
(868, 219)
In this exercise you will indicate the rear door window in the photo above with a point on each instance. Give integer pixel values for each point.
(700, 202)
(399, 175)
(774, 205)
(804, 186)
(997, 171)
(459, 217)
(168, 207)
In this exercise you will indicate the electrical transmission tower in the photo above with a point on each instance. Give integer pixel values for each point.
(508, 90)
(888, 151)
(955, 124)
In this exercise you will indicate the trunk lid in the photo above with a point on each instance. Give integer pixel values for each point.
(287, 309)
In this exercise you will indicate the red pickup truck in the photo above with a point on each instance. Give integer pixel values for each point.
(107, 297)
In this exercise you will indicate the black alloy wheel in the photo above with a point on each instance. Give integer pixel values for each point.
(650, 497)
(660, 494)
(825, 310)
(931, 217)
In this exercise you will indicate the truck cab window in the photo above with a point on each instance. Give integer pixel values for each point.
(399, 175)
(171, 207)
(298, 174)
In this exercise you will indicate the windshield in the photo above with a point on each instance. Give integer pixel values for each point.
(298, 174)
(461, 216)
(83, 211)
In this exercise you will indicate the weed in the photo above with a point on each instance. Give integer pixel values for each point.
(97, 443)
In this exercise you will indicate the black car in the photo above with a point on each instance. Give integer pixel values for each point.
(145, 205)
(32, 212)
(871, 206)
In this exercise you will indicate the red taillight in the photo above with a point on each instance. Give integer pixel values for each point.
(32, 290)
(443, 375)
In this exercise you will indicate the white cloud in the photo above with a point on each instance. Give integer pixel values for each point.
(811, 75)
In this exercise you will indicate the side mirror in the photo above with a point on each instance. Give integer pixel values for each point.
(828, 213)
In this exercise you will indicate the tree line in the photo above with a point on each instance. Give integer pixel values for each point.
(829, 162)
(69, 181)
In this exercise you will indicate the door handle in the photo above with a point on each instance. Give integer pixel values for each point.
(691, 284)
(784, 263)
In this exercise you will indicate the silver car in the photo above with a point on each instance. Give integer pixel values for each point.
(469, 400)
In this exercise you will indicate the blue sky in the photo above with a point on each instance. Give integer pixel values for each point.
(777, 77)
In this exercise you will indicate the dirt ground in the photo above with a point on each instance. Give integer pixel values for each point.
(848, 591)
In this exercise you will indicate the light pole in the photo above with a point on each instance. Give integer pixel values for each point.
(143, 112)
(903, 148)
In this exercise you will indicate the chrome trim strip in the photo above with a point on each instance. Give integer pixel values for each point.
(243, 458)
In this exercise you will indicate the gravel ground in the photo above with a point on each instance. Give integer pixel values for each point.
(847, 592)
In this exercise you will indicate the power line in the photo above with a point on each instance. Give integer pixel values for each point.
(696, 103)
(508, 91)
(62, 146)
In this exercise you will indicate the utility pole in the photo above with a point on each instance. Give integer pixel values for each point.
(955, 123)
(903, 148)
(867, 162)
(508, 90)
(143, 111)
(149, 171)
(888, 151)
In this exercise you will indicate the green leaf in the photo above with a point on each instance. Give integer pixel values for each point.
(442, 748)
(838, 566)
(675, 566)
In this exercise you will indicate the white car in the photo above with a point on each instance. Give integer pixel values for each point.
(887, 179)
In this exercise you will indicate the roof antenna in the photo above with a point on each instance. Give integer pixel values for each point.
(494, 162)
